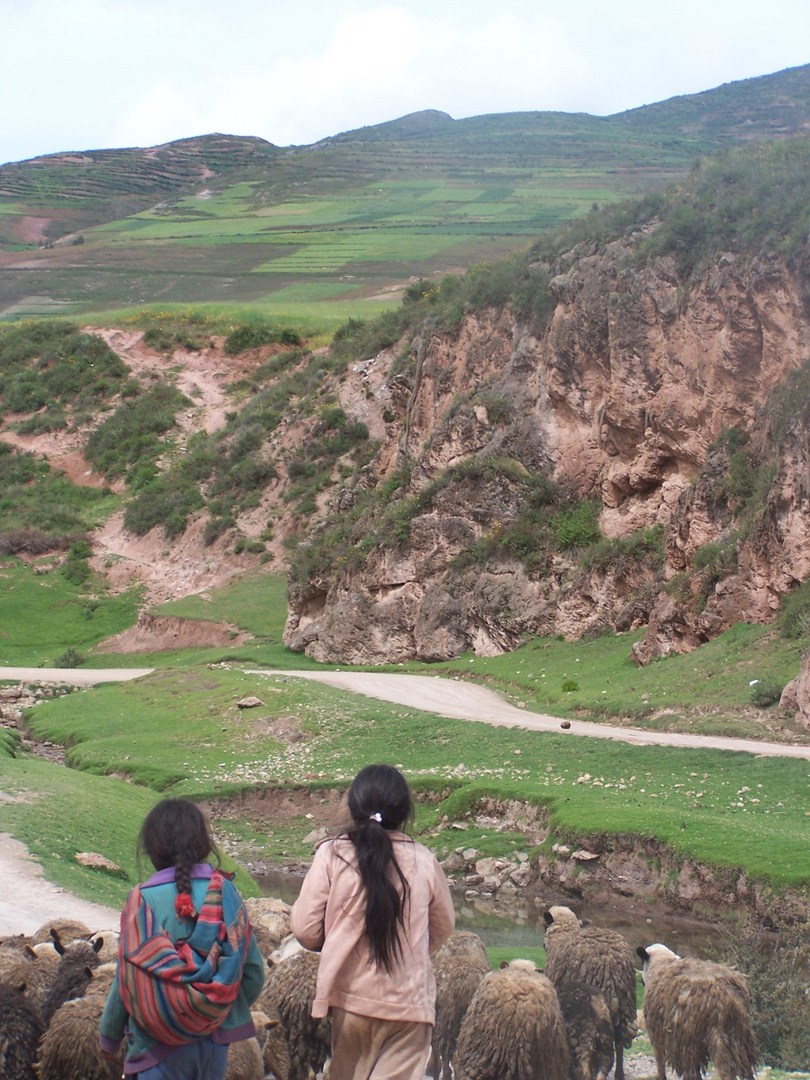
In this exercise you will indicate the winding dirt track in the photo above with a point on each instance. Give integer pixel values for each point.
(457, 700)
(466, 701)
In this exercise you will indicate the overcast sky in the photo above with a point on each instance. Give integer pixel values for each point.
(88, 74)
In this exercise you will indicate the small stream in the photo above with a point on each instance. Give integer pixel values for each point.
(518, 921)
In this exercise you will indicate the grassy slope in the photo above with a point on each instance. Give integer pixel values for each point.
(179, 730)
(332, 223)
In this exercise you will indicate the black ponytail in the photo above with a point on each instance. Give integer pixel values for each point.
(380, 800)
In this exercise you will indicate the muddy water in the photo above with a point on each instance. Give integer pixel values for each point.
(517, 922)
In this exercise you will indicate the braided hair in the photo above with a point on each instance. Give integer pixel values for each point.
(380, 801)
(176, 834)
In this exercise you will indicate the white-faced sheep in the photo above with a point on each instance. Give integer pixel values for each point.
(513, 1029)
(589, 1030)
(290, 988)
(697, 1011)
(459, 965)
(601, 958)
(21, 1028)
(70, 1048)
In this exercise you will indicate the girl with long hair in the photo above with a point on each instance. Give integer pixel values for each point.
(188, 965)
(376, 904)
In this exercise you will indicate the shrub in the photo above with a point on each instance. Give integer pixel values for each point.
(576, 525)
(766, 692)
(70, 658)
(793, 619)
(257, 334)
(778, 971)
(569, 686)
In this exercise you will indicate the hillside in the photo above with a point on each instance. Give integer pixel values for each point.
(604, 434)
(349, 220)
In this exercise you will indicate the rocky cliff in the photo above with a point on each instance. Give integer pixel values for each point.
(641, 460)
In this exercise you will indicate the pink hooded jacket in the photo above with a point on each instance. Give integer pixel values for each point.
(328, 916)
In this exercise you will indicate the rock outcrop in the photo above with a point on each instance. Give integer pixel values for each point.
(626, 398)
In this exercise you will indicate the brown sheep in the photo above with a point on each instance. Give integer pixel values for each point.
(459, 965)
(70, 1049)
(290, 988)
(589, 1030)
(21, 1028)
(601, 958)
(65, 930)
(513, 1029)
(270, 921)
(697, 1011)
(32, 969)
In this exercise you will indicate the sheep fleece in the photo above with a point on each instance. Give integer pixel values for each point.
(513, 1030)
(697, 1011)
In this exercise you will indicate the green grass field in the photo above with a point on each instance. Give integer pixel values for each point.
(179, 731)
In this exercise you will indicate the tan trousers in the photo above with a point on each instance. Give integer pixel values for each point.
(367, 1049)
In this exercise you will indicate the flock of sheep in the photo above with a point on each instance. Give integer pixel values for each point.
(571, 1022)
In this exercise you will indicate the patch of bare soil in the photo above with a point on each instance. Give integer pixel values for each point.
(31, 230)
(267, 807)
(62, 451)
(153, 633)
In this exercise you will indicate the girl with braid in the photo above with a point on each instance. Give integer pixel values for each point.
(188, 967)
(376, 904)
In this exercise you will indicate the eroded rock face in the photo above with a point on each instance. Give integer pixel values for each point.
(634, 378)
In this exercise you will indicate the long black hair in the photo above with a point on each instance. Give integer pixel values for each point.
(176, 833)
(380, 801)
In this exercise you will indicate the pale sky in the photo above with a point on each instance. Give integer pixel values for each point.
(92, 74)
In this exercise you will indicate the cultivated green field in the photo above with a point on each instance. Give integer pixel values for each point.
(350, 217)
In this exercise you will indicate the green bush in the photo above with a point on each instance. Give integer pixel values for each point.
(70, 658)
(132, 435)
(766, 692)
(254, 335)
(577, 525)
(778, 972)
(793, 619)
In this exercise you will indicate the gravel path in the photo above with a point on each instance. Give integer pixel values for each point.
(468, 701)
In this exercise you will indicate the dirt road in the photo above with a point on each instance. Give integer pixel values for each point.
(457, 699)
(467, 701)
(27, 900)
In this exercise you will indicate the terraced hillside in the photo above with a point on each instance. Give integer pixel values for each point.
(351, 219)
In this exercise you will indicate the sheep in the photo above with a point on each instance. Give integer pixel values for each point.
(245, 1061)
(269, 920)
(589, 1031)
(290, 988)
(601, 958)
(66, 930)
(70, 1048)
(108, 950)
(464, 943)
(697, 1011)
(21, 1028)
(73, 975)
(33, 969)
(513, 1029)
(255, 1058)
(459, 965)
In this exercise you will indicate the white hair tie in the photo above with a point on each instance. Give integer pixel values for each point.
(376, 817)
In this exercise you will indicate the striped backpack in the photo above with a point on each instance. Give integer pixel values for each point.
(181, 991)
